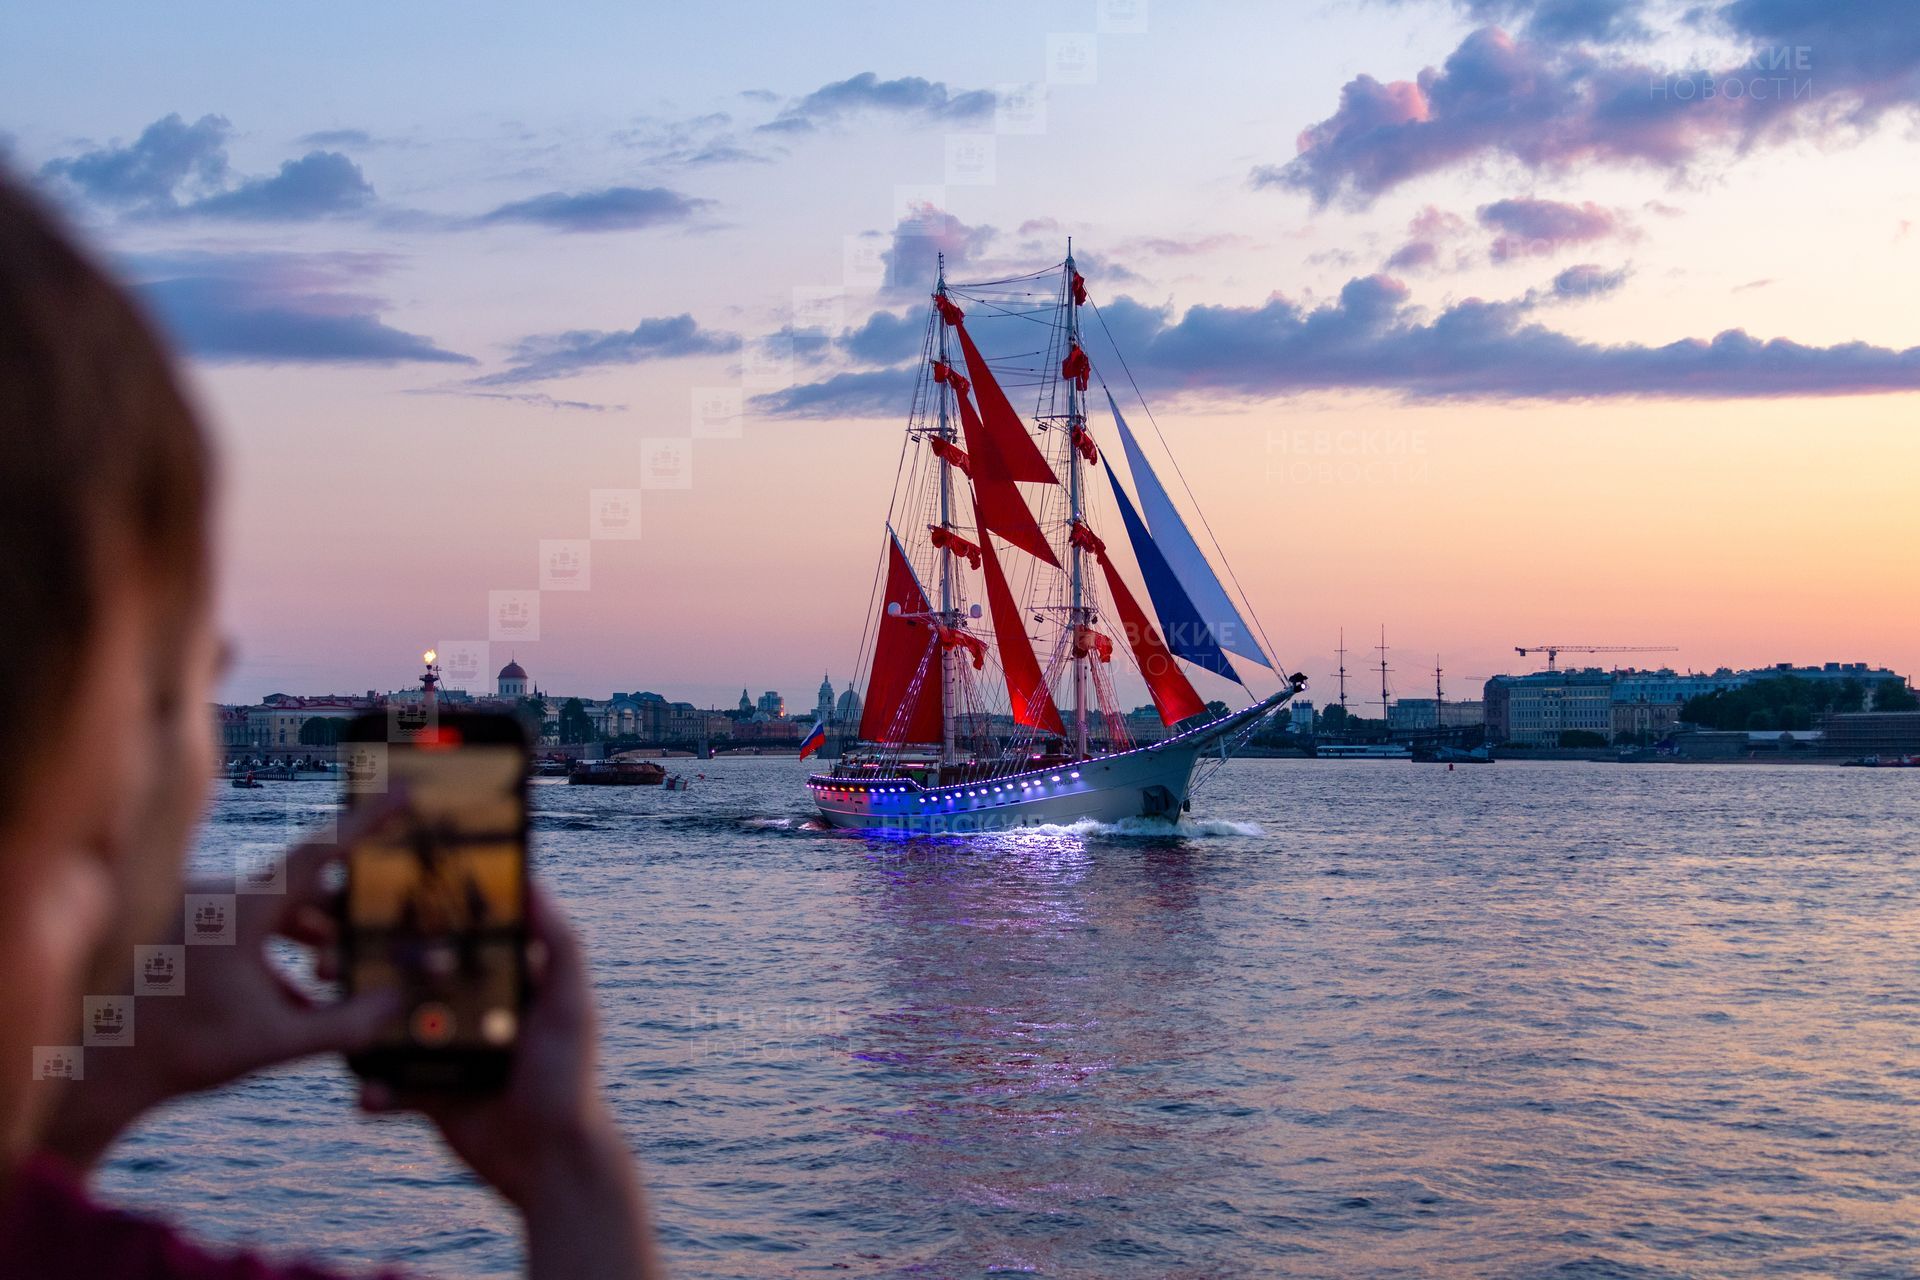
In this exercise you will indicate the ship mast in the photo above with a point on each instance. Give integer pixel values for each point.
(1076, 616)
(948, 616)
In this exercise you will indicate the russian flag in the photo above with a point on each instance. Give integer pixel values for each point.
(815, 739)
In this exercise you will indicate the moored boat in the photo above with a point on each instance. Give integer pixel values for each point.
(1007, 716)
(617, 773)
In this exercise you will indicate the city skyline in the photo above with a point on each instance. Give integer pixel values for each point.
(1441, 332)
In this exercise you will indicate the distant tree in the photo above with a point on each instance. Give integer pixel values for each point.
(1334, 719)
(1582, 738)
(1895, 695)
(1217, 708)
(575, 724)
(320, 731)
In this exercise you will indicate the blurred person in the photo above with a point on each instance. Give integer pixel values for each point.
(105, 757)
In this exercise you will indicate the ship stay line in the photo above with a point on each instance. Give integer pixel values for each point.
(930, 750)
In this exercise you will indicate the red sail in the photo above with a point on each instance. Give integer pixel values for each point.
(1173, 694)
(1005, 440)
(997, 503)
(902, 650)
(1026, 690)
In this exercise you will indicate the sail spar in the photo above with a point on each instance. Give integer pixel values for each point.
(1186, 631)
(1183, 556)
(997, 502)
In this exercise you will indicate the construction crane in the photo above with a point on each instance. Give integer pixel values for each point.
(1553, 651)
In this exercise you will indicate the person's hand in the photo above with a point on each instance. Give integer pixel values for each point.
(546, 1141)
(239, 1012)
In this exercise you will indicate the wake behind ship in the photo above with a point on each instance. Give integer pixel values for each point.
(962, 726)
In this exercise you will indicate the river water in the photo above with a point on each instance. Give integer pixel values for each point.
(1359, 1019)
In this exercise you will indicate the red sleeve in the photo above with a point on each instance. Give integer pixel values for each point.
(51, 1229)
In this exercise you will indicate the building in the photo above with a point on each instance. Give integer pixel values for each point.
(823, 706)
(284, 722)
(771, 705)
(1414, 714)
(1667, 685)
(746, 704)
(513, 682)
(1854, 734)
(1643, 721)
(1537, 709)
(1300, 716)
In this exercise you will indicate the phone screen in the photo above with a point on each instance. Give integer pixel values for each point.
(436, 905)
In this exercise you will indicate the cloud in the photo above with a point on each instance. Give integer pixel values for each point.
(278, 308)
(924, 232)
(1588, 280)
(319, 184)
(887, 337)
(336, 138)
(1426, 232)
(607, 209)
(907, 96)
(1816, 69)
(1372, 339)
(691, 141)
(1526, 227)
(874, 393)
(558, 355)
(534, 399)
(146, 173)
(1566, 21)
(180, 170)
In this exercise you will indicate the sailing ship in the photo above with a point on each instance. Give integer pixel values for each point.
(965, 726)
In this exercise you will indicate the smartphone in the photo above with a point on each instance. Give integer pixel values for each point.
(436, 898)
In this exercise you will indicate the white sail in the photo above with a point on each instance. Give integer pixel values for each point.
(1183, 554)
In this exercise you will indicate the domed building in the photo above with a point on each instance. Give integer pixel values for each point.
(513, 682)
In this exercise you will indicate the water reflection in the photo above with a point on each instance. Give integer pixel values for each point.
(1037, 1047)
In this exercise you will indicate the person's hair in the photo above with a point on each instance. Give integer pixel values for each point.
(103, 471)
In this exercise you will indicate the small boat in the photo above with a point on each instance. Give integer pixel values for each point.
(617, 773)
(247, 781)
(1883, 762)
(675, 782)
(1363, 751)
(982, 720)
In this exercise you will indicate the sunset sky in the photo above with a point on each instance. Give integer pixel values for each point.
(1498, 322)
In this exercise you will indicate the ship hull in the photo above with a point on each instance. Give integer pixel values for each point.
(1149, 782)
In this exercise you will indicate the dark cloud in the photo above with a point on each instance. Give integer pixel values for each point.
(1815, 68)
(319, 184)
(278, 308)
(179, 170)
(1370, 338)
(906, 96)
(608, 209)
(1566, 21)
(147, 173)
(1525, 227)
(874, 393)
(558, 355)
(887, 337)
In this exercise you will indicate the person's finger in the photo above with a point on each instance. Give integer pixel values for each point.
(312, 925)
(349, 1026)
(562, 997)
(307, 862)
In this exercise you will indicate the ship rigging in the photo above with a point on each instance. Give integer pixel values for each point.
(962, 728)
